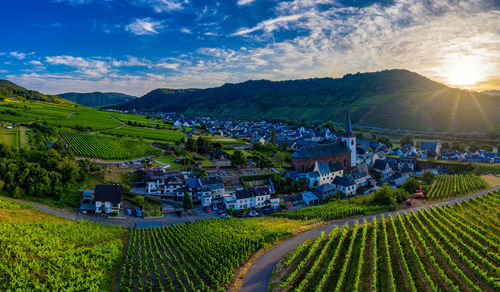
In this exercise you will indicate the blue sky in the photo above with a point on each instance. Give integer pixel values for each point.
(135, 46)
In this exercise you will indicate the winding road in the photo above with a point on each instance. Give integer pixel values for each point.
(259, 274)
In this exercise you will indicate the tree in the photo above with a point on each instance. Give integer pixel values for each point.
(487, 147)
(401, 195)
(191, 145)
(238, 158)
(2, 184)
(428, 177)
(187, 203)
(473, 147)
(445, 145)
(359, 135)
(407, 140)
(457, 146)
(384, 196)
(274, 137)
(330, 126)
(411, 185)
(140, 200)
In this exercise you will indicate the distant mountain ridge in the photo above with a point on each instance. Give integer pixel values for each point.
(390, 99)
(492, 92)
(97, 99)
(10, 90)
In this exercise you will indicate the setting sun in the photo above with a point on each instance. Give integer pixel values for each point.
(463, 70)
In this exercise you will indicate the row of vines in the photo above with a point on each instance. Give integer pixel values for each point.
(98, 146)
(447, 186)
(202, 256)
(449, 248)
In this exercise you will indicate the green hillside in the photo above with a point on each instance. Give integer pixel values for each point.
(390, 98)
(9, 90)
(97, 99)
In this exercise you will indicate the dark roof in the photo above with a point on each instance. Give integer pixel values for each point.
(324, 187)
(344, 181)
(243, 194)
(348, 128)
(108, 193)
(429, 146)
(213, 180)
(380, 164)
(262, 190)
(411, 160)
(323, 167)
(321, 150)
(336, 167)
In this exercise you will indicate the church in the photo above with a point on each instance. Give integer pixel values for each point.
(342, 152)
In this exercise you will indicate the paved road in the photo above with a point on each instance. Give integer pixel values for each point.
(259, 274)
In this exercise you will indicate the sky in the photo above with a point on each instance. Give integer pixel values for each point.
(135, 46)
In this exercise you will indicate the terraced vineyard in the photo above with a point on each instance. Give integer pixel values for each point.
(450, 248)
(98, 146)
(202, 256)
(448, 186)
(329, 211)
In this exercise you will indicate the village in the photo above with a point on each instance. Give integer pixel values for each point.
(321, 166)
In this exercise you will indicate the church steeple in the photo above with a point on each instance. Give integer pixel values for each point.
(348, 129)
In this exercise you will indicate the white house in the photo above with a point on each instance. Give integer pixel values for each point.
(108, 198)
(345, 185)
(323, 173)
(258, 197)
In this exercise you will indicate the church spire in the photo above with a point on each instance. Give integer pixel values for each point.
(348, 129)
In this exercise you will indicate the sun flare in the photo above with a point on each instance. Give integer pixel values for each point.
(464, 70)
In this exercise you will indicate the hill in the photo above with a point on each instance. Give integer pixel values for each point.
(97, 99)
(10, 90)
(492, 92)
(389, 99)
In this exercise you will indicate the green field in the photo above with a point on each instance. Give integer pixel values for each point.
(440, 249)
(109, 148)
(146, 133)
(41, 252)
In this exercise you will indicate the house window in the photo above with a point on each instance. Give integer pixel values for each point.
(352, 142)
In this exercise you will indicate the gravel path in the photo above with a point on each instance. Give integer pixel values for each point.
(259, 274)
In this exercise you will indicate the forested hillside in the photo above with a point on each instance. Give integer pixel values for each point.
(390, 98)
(9, 90)
(97, 99)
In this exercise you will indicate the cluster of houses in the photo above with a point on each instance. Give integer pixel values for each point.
(434, 150)
(207, 191)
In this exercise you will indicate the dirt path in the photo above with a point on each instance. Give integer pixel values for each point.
(70, 115)
(259, 274)
(123, 124)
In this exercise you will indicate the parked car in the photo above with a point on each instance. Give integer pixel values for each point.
(129, 211)
(207, 209)
(138, 212)
(224, 215)
(253, 213)
(214, 207)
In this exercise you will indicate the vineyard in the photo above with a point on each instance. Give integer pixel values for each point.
(202, 256)
(42, 255)
(448, 186)
(146, 133)
(108, 148)
(450, 248)
(329, 211)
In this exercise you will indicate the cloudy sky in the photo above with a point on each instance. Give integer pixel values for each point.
(134, 46)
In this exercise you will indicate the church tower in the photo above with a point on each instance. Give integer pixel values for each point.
(350, 139)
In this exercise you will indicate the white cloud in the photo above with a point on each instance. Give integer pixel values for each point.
(163, 5)
(144, 26)
(171, 66)
(270, 25)
(244, 2)
(18, 55)
(130, 61)
(35, 62)
(89, 67)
